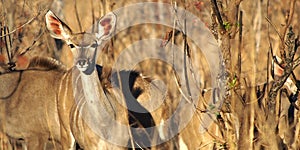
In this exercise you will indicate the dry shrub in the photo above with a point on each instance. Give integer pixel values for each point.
(243, 120)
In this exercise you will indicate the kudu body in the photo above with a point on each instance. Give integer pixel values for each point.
(57, 114)
(36, 126)
(91, 114)
(29, 103)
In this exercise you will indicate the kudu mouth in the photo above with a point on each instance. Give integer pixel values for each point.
(90, 68)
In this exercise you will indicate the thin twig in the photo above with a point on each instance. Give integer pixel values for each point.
(186, 54)
(292, 45)
(93, 16)
(77, 15)
(290, 16)
(10, 41)
(33, 43)
(268, 72)
(177, 79)
(217, 12)
(275, 28)
(287, 25)
(239, 63)
(18, 28)
(1, 39)
(271, 49)
(7, 46)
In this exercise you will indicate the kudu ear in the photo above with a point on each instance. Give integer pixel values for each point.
(22, 62)
(58, 29)
(277, 70)
(2, 59)
(106, 26)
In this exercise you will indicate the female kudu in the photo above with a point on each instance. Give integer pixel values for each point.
(93, 116)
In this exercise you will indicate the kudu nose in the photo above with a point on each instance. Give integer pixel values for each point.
(81, 62)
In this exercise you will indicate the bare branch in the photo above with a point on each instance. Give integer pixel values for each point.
(290, 15)
(93, 16)
(217, 12)
(239, 63)
(275, 28)
(287, 25)
(77, 16)
(290, 65)
(33, 43)
(18, 28)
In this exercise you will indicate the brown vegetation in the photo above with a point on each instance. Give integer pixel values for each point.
(260, 110)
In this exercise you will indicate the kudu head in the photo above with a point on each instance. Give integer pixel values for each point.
(83, 45)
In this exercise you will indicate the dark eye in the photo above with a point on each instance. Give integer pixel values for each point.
(94, 45)
(71, 45)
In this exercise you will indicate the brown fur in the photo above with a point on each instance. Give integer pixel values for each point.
(73, 124)
(46, 63)
(28, 110)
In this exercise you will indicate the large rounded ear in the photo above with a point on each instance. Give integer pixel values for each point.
(276, 69)
(58, 29)
(106, 26)
(2, 59)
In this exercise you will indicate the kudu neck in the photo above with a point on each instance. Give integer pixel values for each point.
(91, 87)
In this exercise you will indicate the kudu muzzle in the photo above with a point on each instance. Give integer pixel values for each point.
(83, 61)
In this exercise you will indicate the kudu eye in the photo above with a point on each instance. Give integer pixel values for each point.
(95, 45)
(71, 45)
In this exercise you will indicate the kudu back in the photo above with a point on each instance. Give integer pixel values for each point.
(28, 104)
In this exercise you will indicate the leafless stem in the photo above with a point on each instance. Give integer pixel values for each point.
(275, 28)
(217, 12)
(186, 54)
(290, 15)
(287, 25)
(18, 28)
(177, 79)
(93, 16)
(77, 16)
(8, 45)
(1, 39)
(292, 46)
(239, 63)
(33, 43)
